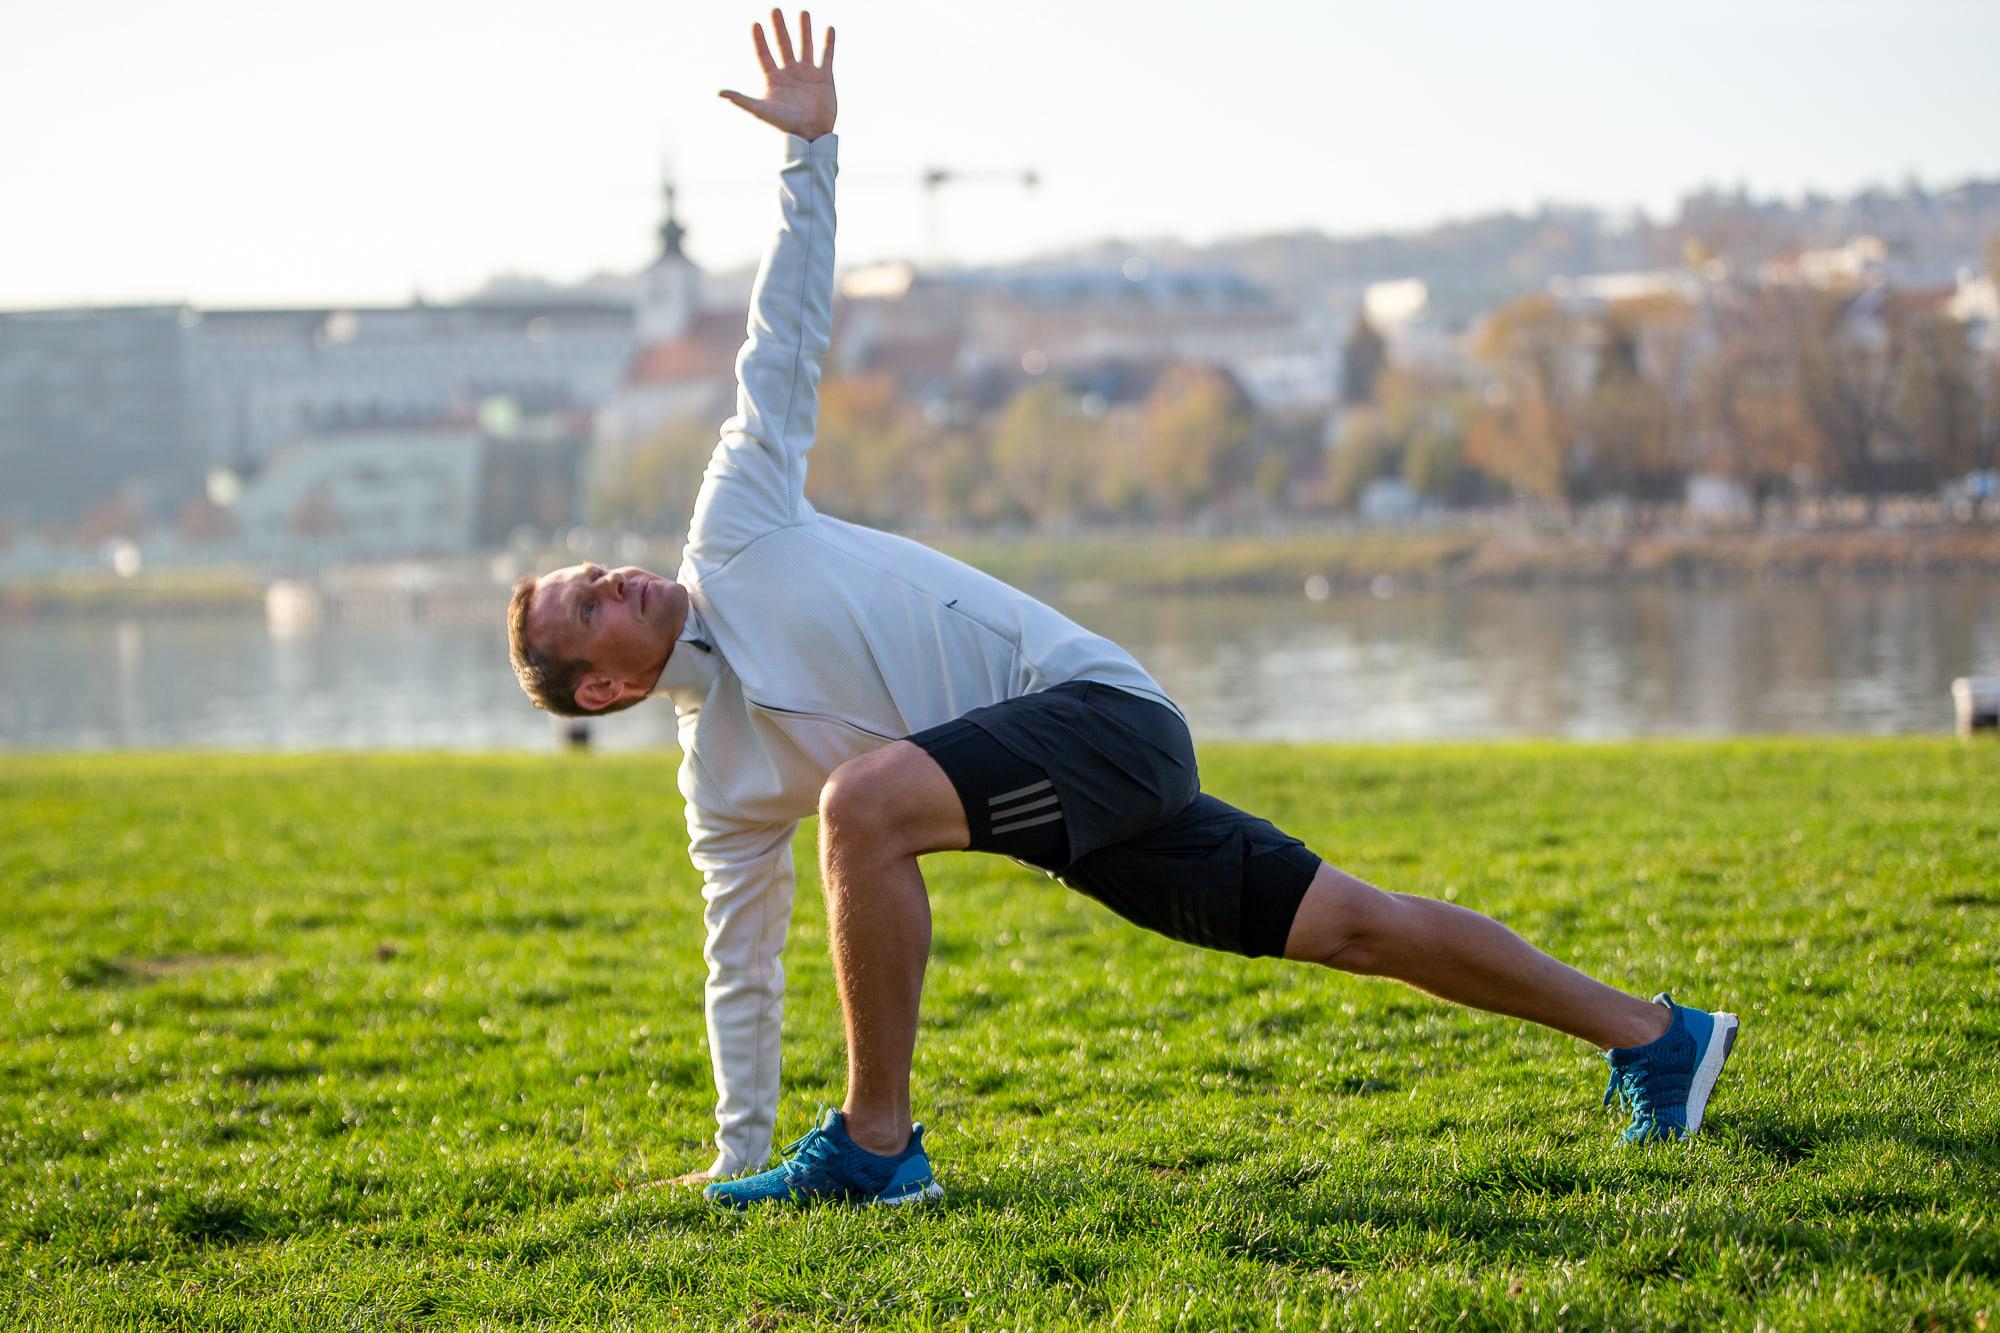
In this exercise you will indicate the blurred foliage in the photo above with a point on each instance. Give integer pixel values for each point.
(1789, 392)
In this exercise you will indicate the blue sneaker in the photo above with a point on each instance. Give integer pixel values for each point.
(826, 1164)
(1666, 1082)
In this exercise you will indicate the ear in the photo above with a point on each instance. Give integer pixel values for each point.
(596, 692)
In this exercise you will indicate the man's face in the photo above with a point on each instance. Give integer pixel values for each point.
(624, 622)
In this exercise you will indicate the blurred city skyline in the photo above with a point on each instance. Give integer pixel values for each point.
(224, 153)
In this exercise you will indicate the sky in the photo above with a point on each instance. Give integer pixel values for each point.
(231, 152)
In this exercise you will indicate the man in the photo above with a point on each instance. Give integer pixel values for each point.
(921, 706)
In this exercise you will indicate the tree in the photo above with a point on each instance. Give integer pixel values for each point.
(1750, 421)
(1198, 428)
(868, 455)
(652, 485)
(1361, 455)
(1945, 410)
(958, 481)
(1634, 419)
(1043, 462)
(1526, 431)
(1846, 373)
(1435, 464)
(1518, 436)
(1362, 359)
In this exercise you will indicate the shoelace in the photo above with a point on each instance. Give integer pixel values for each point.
(1628, 1083)
(812, 1149)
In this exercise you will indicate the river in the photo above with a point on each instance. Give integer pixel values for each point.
(1459, 664)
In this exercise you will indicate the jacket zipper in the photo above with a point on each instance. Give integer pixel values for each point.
(818, 717)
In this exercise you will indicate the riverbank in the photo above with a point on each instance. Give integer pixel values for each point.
(176, 592)
(1091, 565)
(1349, 562)
(408, 1040)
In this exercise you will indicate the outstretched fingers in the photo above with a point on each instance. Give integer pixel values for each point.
(784, 37)
(764, 50)
(805, 36)
(826, 60)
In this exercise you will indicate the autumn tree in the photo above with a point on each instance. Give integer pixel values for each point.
(1632, 422)
(1749, 420)
(651, 486)
(1042, 461)
(868, 459)
(1199, 431)
(1945, 407)
(1845, 369)
(1526, 429)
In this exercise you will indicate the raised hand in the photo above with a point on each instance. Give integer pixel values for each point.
(798, 95)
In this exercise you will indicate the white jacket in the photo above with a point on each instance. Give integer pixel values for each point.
(811, 641)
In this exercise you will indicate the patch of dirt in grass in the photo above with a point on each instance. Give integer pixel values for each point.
(92, 972)
(173, 965)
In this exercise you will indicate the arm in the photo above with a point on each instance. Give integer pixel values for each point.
(756, 477)
(747, 887)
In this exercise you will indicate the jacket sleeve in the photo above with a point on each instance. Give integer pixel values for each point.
(747, 887)
(756, 477)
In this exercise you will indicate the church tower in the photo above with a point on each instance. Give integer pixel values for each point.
(669, 291)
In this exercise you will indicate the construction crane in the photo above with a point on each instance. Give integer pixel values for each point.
(936, 178)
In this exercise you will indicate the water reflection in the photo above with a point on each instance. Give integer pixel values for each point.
(1583, 663)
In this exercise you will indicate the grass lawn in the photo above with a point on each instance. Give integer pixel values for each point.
(401, 1041)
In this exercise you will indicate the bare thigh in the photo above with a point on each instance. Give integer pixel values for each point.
(898, 800)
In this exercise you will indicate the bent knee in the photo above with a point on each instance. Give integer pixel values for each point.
(852, 798)
(894, 801)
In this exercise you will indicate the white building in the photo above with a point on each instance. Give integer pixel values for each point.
(1054, 320)
(270, 375)
(683, 365)
(410, 491)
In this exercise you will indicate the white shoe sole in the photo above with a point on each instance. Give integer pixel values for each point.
(1720, 1042)
(924, 1195)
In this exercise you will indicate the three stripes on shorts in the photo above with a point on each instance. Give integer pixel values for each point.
(1024, 807)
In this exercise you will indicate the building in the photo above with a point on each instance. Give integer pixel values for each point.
(386, 493)
(683, 367)
(97, 405)
(267, 376)
(978, 324)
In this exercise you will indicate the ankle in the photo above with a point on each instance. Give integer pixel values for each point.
(883, 1135)
(1644, 1028)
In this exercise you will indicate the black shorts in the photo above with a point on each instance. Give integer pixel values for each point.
(1098, 787)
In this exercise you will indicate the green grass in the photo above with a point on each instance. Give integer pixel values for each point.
(399, 1041)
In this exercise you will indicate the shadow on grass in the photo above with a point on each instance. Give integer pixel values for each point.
(1790, 1141)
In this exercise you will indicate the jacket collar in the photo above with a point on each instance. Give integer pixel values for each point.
(692, 667)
